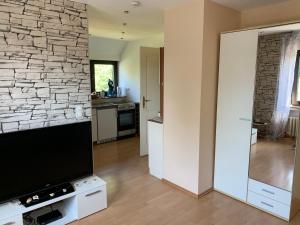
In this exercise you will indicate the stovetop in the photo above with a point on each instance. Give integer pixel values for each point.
(126, 106)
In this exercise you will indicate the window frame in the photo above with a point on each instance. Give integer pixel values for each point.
(295, 85)
(115, 64)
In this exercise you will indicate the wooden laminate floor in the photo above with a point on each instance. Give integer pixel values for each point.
(136, 198)
(272, 162)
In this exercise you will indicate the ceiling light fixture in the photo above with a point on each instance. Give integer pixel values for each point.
(135, 3)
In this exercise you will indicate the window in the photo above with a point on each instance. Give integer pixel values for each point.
(101, 73)
(296, 86)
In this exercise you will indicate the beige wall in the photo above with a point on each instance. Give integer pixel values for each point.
(271, 14)
(214, 24)
(191, 65)
(183, 69)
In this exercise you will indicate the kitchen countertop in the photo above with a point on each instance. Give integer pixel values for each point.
(107, 103)
(105, 106)
(156, 120)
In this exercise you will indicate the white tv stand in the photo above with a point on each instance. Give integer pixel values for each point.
(90, 196)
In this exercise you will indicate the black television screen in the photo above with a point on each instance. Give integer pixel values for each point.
(34, 159)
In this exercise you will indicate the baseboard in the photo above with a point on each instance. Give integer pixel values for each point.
(197, 196)
(205, 193)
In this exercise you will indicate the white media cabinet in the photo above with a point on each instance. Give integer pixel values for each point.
(89, 197)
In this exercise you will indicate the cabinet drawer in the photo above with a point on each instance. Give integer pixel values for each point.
(269, 205)
(270, 192)
(16, 220)
(91, 202)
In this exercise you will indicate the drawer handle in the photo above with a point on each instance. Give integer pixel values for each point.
(10, 223)
(93, 193)
(267, 204)
(245, 119)
(269, 192)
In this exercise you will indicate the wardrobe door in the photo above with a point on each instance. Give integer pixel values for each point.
(237, 71)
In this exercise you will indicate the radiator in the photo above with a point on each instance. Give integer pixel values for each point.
(292, 126)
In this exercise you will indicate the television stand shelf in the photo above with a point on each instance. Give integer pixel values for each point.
(89, 197)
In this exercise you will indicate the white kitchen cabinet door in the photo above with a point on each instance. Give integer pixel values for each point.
(237, 71)
(94, 125)
(107, 124)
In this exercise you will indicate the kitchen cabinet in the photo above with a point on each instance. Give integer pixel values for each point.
(107, 124)
(155, 147)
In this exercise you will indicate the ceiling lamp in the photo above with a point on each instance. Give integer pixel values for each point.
(135, 3)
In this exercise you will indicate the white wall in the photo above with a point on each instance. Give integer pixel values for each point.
(105, 49)
(129, 67)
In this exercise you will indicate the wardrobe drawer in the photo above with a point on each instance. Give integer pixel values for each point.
(271, 192)
(269, 205)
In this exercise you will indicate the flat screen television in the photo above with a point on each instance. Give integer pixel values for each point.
(32, 160)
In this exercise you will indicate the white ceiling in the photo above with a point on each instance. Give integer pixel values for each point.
(246, 4)
(106, 16)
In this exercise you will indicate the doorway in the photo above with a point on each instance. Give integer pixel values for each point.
(150, 92)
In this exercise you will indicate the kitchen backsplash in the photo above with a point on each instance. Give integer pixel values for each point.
(44, 65)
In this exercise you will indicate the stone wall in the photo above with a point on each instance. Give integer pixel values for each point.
(44, 66)
(268, 63)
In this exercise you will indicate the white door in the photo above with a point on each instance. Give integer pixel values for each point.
(150, 92)
(234, 114)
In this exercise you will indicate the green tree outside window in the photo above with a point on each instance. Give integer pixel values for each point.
(103, 73)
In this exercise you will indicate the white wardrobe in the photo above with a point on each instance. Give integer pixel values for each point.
(237, 71)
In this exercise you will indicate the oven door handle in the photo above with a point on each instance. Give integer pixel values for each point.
(145, 101)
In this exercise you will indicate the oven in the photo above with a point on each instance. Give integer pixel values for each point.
(126, 120)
